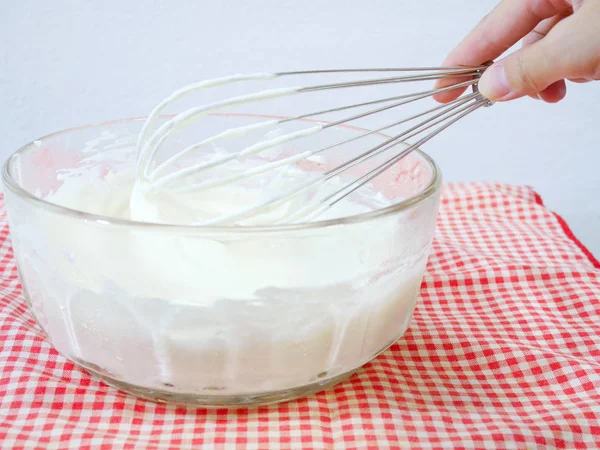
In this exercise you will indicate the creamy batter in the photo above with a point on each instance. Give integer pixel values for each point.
(217, 313)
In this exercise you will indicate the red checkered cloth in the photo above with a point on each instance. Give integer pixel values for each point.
(503, 351)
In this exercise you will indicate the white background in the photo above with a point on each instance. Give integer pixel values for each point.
(67, 63)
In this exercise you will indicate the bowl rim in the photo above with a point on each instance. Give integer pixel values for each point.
(98, 219)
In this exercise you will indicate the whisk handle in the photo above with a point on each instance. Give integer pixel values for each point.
(475, 87)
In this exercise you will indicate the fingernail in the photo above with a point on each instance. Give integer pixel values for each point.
(493, 83)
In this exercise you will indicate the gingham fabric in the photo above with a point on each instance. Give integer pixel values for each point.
(503, 352)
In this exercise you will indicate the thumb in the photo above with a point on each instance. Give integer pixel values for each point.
(570, 50)
(527, 71)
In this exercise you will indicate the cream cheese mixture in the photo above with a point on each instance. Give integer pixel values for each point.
(220, 312)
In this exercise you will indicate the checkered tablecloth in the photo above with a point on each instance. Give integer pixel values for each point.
(503, 352)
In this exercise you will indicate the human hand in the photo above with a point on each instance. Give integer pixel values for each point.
(561, 40)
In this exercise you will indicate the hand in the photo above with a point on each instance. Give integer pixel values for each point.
(561, 40)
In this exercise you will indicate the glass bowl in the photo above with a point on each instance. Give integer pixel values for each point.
(213, 316)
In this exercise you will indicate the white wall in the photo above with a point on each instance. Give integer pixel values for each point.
(66, 63)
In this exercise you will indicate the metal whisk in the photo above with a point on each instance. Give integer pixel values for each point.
(169, 174)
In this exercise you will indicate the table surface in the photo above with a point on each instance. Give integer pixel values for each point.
(64, 66)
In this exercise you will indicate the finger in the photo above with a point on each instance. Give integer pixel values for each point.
(542, 29)
(552, 93)
(496, 33)
(569, 50)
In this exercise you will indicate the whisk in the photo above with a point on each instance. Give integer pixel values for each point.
(423, 126)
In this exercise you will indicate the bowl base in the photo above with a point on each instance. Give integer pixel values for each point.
(215, 401)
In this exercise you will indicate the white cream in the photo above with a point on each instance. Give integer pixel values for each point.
(228, 267)
(152, 184)
(216, 313)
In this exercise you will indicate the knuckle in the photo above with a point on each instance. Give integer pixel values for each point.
(491, 42)
(542, 9)
(533, 37)
(494, 46)
(484, 20)
(524, 75)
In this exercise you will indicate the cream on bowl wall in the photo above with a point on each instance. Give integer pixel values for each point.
(212, 315)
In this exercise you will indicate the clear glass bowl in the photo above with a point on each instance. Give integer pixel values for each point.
(214, 316)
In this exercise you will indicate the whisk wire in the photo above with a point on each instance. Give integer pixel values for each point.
(407, 97)
(392, 161)
(307, 154)
(313, 210)
(434, 121)
(263, 145)
(304, 155)
(407, 134)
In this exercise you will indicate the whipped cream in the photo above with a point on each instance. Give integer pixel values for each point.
(218, 313)
(208, 311)
(167, 191)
